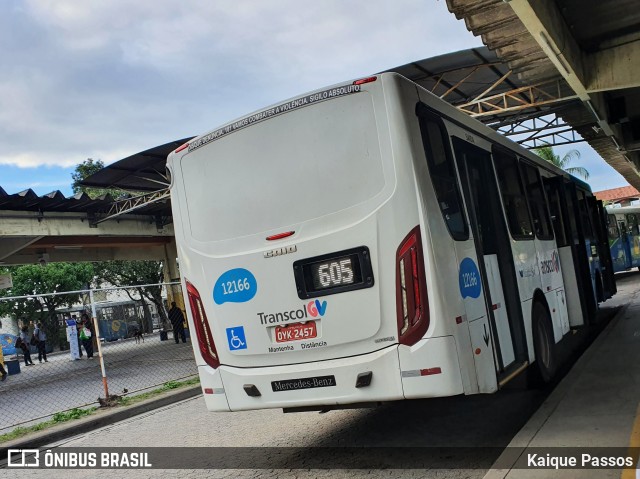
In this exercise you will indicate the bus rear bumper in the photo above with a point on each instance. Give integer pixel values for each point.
(395, 374)
(385, 382)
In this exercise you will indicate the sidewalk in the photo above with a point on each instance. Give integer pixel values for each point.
(102, 417)
(595, 405)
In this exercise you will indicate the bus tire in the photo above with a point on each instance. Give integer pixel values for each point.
(546, 360)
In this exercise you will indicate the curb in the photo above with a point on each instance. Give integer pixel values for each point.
(97, 420)
(524, 437)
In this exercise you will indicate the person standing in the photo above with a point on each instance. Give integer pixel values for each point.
(41, 338)
(78, 327)
(24, 345)
(86, 335)
(177, 321)
(3, 372)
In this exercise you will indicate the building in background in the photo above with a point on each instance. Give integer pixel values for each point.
(623, 196)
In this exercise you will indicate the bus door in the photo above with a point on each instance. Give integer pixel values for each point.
(581, 241)
(633, 237)
(616, 244)
(606, 263)
(493, 245)
(566, 234)
(624, 243)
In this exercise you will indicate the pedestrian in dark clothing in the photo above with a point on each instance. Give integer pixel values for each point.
(177, 321)
(41, 338)
(78, 335)
(24, 345)
(86, 335)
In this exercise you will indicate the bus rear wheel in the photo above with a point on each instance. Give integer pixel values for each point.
(546, 362)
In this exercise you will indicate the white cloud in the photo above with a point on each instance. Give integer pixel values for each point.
(108, 78)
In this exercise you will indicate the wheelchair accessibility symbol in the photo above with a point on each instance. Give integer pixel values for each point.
(236, 339)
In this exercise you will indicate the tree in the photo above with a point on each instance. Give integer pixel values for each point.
(83, 171)
(547, 154)
(124, 273)
(135, 274)
(35, 279)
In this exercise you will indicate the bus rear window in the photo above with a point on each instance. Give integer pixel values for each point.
(299, 166)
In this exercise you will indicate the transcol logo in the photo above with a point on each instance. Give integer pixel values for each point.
(312, 309)
(550, 265)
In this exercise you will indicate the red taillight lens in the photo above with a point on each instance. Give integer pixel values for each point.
(182, 147)
(203, 332)
(286, 234)
(411, 290)
(362, 81)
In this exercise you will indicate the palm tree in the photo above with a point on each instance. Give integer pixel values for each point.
(547, 154)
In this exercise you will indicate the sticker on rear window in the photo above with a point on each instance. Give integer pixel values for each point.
(235, 286)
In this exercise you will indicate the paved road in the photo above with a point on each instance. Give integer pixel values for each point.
(475, 421)
(41, 390)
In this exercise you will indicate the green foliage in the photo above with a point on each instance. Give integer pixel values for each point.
(85, 169)
(35, 279)
(170, 385)
(74, 413)
(134, 273)
(547, 154)
(129, 273)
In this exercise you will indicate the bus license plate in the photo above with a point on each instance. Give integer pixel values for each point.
(296, 332)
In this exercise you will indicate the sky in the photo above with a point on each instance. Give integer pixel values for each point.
(108, 78)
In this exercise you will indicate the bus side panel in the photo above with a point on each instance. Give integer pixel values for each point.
(430, 368)
(483, 350)
(500, 311)
(456, 310)
(619, 254)
(574, 307)
(551, 276)
(211, 380)
(528, 274)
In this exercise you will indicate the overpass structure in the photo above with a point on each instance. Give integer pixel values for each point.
(52, 228)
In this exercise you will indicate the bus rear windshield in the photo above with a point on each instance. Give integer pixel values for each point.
(299, 166)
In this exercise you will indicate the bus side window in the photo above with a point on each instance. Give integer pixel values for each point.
(443, 175)
(537, 202)
(515, 203)
(557, 217)
(612, 224)
(584, 213)
(632, 222)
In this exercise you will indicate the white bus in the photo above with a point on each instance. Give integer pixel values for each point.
(368, 242)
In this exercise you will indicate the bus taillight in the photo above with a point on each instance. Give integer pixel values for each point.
(203, 332)
(362, 81)
(411, 290)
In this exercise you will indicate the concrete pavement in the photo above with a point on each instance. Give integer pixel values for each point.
(100, 418)
(42, 390)
(595, 405)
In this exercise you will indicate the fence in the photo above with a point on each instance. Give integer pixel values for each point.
(134, 350)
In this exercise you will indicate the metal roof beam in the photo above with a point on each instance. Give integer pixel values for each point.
(531, 96)
(131, 204)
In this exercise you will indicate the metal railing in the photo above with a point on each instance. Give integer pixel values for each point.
(131, 349)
